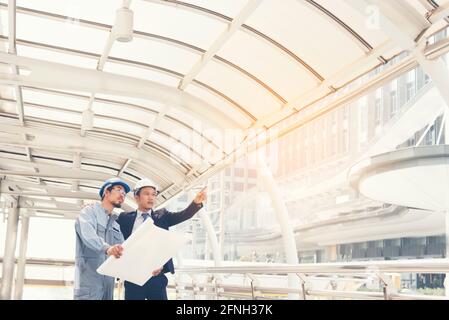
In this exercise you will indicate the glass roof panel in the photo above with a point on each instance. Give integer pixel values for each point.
(189, 119)
(91, 160)
(123, 112)
(49, 114)
(99, 10)
(419, 6)
(168, 126)
(221, 104)
(177, 149)
(243, 90)
(4, 27)
(13, 152)
(139, 72)
(8, 107)
(105, 167)
(226, 7)
(116, 125)
(55, 56)
(151, 105)
(321, 44)
(7, 92)
(67, 35)
(70, 93)
(155, 53)
(197, 29)
(288, 78)
(351, 17)
(48, 156)
(53, 100)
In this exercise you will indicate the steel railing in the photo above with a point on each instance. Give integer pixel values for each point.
(215, 286)
(214, 282)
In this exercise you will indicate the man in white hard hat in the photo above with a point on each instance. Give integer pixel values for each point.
(98, 236)
(145, 193)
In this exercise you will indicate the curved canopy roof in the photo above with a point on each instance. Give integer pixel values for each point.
(78, 106)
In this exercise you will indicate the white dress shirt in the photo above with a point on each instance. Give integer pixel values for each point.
(139, 219)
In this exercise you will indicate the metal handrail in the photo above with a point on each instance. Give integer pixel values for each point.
(246, 293)
(391, 266)
(361, 271)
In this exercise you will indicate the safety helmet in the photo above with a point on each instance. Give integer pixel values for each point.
(145, 183)
(113, 182)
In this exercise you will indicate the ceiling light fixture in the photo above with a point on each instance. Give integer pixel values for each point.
(123, 26)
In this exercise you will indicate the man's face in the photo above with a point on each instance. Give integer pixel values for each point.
(146, 198)
(116, 196)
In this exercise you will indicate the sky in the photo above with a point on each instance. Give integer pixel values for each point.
(47, 238)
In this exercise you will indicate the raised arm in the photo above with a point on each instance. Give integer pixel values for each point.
(177, 217)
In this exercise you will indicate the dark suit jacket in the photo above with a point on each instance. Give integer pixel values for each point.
(163, 219)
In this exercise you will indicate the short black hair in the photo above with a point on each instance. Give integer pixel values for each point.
(109, 189)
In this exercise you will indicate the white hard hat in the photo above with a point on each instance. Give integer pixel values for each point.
(145, 183)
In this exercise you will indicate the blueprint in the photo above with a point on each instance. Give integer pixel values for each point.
(146, 250)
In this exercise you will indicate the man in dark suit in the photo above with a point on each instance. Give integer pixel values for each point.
(145, 193)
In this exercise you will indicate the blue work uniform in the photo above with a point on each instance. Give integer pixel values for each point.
(96, 231)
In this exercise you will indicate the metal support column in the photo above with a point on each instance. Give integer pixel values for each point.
(211, 239)
(194, 240)
(213, 242)
(446, 125)
(9, 253)
(280, 209)
(446, 279)
(20, 278)
(222, 226)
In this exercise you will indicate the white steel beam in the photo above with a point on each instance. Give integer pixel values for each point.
(402, 24)
(437, 70)
(55, 194)
(28, 203)
(169, 119)
(59, 76)
(426, 4)
(21, 261)
(12, 14)
(124, 167)
(87, 121)
(12, 26)
(8, 264)
(66, 174)
(46, 139)
(219, 42)
(35, 210)
(51, 171)
(149, 131)
(32, 204)
(439, 13)
(77, 165)
(32, 189)
(106, 51)
(446, 279)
